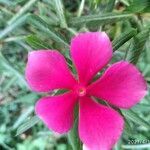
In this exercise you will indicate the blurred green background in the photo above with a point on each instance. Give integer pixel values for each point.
(26, 25)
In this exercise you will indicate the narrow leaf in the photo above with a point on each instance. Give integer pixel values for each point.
(135, 118)
(22, 11)
(99, 19)
(13, 26)
(36, 42)
(27, 98)
(123, 38)
(74, 137)
(110, 5)
(23, 116)
(6, 65)
(138, 146)
(141, 108)
(41, 25)
(138, 6)
(137, 46)
(60, 13)
(9, 83)
(81, 7)
(27, 125)
(127, 130)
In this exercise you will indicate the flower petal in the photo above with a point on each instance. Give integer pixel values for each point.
(57, 112)
(99, 126)
(90, 52)
(47, 70)
(85, 148)
(121, 85)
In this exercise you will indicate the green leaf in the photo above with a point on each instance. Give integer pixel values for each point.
(123, 38)
(14, 26)
(60, 12)
(99, 19)
(127, 130)
(138, 146)
(6, 2)
(138, 46)
(138, 6)
(5, 146)
(80, 10)
(36, 42)
(41, 25)
(23, 116)
(12, 71)
(14, 39)
(27, 98)
(22, 11)
(110, 5)
(74, 137)
(135, 118)
(141, 108)
(125, 2)
(9, 83)
(27, 125)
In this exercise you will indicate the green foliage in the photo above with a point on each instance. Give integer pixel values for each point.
(135, 118)
(138, 45)
(97, 20)
(30, 123)
(123, 38)
(36, 43)
(139, 6)
(45, 29)
(74, 137)
(50, 24)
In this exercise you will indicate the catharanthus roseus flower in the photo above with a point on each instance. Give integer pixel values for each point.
(122, 85)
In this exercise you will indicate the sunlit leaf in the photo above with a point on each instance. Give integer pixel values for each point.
(37, 43)
(27, 125)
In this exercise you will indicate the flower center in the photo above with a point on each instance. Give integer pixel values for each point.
(81, 91)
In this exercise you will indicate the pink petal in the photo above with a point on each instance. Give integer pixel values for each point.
(85, 148)
(57, 112)
(99, 126)
(121, 85)
(47, 70)
(90, 52)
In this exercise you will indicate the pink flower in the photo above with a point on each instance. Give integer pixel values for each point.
(122, 85)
